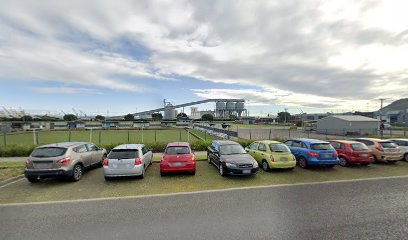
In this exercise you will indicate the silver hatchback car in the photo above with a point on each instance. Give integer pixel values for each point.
(127, 160)
(67, 159)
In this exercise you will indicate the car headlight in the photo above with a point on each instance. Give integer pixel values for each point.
(255, 164)
(230, 165)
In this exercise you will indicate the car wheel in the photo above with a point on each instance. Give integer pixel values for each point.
(162, 174)
(108, 179)
(406, 157)
(292, 168)
(222, 170)
(364, 164)
(208, 159)
(143, 172)
(392, 161)
(375, 159)
(343, 162)
(33, 179)
(193, 172)
(303, 162)
(77, 173)
(265, 165)
(330, 166)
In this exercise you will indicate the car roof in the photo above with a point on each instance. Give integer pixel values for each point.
(178, 144)
(374, 139)
(268, 141)
(308, 140)
(345, 141)
(128, 146)
(225, 142)
(63, 144)
(398, 139)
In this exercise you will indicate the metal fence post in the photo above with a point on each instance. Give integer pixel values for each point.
(270, 133)
(155, 135)
(69, 136)
(205, 135)
(180, 134)
(289, 132)
(100, 136)
(37, 138)
(5, 139)
(250, 134)
(128, 136)
(142, 134)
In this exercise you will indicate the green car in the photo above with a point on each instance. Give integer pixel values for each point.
(272, 154)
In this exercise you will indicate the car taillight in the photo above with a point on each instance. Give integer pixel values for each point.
(138, 161)
(65, 161)
(272, 159)
(313, 154)
(106, 162)
(380, 148)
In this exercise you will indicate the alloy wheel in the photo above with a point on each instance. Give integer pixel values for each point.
(343, 162)
(77, 172)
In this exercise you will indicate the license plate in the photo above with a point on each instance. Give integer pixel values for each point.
(327, 155)
(42, 165)
(177, 164)
(246, 171)
(364, 155)
(284, 159)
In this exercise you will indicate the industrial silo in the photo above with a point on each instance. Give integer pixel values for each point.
(220, 108)
(239, 107)
(169, 112)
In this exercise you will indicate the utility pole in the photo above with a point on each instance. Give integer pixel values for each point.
(286, 113)
(381, 123)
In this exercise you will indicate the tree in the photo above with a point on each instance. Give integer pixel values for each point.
(207, 117)
(27, 118)
(157, 116)
(70, 117)
(129, 117)
(181, 115)
(282, 116)
(99, 118)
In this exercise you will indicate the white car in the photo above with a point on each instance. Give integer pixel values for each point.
(127, 160)
(403, 146)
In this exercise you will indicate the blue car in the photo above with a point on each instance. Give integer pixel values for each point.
(313, 152)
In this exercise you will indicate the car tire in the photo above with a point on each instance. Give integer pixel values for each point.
(375, 159)
(77, 173)
(303, 162)
(162, 174)
(108, 179)
(265, 165)
(208, 159)
(143, 173)
(406, 157)
(221, 170)
(291, 169)
(343, 162)
(364, 164)
(330, 166)
(392, 161)
(193, 173)
(33, 179)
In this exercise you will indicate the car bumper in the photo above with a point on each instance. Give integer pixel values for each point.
(390, 157)
(33, 173)
(240, 171)
(357, 160)
(115, 172)
(166, 168)
(287, 164)
(317, 162)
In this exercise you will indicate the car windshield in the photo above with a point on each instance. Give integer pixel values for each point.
(231, 149)
(278, 147)
(123, 154)
(358, 147)
(48, 152)
(388, 145)
(177, 150)
(322, 146)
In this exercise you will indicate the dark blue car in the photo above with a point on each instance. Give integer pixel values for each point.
(313, 152)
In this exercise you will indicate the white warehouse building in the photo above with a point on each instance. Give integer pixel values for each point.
(347, 125)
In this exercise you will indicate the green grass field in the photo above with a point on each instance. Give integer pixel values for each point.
(98, 136)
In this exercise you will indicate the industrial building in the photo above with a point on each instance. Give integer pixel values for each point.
(347, 125)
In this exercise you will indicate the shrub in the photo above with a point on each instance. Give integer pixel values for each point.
(16, 150)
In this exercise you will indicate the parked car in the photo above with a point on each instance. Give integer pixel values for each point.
(403, 146)
(231, 158)
(178, 157)
(382, 150)
(272, 154)
(352, 152)
(127, 160)
(312, 152)
(67, 159)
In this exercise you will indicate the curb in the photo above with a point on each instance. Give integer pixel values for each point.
(7, 181)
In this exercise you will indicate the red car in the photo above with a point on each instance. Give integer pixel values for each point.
(178, 158)
(352, 152)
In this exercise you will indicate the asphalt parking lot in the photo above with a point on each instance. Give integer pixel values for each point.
(93, 185)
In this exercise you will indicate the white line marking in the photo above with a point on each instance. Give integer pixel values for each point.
(199, 192)
(5, 185)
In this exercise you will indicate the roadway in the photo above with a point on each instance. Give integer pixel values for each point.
(369, 209)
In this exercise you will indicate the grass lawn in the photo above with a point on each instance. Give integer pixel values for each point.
(99, 136)
(93, 184)
(11, 169)
(256, 126)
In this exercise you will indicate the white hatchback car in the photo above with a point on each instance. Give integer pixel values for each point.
(403, 146)
(127, 160)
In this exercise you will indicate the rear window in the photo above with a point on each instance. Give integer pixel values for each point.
(177, 150)
(358, 147)
(123, 154)
(388, 145)
(48, 152)
(279, 148)
(321, 146)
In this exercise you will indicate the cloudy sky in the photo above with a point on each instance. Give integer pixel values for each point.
(126, 56)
